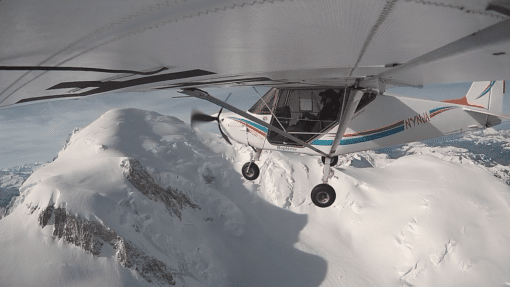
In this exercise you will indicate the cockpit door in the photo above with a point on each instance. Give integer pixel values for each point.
(256, 135)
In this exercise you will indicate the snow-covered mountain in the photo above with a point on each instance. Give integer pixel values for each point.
(138, 199)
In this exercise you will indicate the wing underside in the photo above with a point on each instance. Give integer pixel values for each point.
(69, 49)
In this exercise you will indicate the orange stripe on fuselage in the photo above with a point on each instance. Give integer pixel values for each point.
(252, 128)
(462, 101)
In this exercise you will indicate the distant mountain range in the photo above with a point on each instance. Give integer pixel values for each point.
(10, 181)
(487, 148)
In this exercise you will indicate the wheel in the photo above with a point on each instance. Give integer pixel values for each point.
(334, 160)
(323, 195)
(252, 172)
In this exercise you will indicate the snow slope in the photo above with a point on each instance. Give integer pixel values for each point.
(138, 199)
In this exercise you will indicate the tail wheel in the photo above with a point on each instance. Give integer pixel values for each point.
(250, 171)
(323, 195)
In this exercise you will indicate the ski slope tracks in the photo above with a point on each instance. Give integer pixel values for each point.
(139, 199)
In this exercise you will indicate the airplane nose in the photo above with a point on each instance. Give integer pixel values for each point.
(222, 130)
(226, 126)
(233, 129)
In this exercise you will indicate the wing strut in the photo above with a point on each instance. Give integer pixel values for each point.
(197, 93)
(344, 117)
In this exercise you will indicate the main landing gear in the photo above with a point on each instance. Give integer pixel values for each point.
(323, 195)
(250, 170)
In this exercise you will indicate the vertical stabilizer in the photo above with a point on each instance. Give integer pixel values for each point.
(486, 94)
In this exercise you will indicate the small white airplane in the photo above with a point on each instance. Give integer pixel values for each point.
(328, 62)
(330, 121)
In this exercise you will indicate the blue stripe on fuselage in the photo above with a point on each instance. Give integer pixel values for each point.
(362, 139)
(262, 128)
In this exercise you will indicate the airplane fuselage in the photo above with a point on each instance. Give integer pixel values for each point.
(388, 120)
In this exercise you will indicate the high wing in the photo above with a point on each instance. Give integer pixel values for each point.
(69, 48)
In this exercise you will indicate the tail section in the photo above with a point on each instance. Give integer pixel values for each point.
(486, 94)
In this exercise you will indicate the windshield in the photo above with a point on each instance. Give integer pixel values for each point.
(264, 105)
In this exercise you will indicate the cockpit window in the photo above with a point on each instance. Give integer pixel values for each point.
(264, 105)
(308, 113)
(366, 99)
(305, 113)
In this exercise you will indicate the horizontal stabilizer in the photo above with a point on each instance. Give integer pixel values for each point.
(493, 119)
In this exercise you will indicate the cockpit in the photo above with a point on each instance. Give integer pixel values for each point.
(304, 113)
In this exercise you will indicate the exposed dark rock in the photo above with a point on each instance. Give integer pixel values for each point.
(174, 200)
(151, 269)
(45, 215)
(91, 236)
(502, 173)
(88, 235)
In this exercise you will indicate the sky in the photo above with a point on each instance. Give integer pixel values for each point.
(37, 132)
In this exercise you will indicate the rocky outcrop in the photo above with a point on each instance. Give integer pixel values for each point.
(91, 236)
(174, 200)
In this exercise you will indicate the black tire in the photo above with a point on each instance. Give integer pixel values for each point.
(334, 160)
(252, 173)
(323, 195)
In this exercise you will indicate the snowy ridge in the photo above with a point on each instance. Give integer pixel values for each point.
(138, 199)
(91, 237)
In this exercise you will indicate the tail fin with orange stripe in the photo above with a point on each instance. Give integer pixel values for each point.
(486, 94)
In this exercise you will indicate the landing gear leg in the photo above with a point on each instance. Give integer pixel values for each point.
(323, 195)
(250, 170)
(334, 160)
